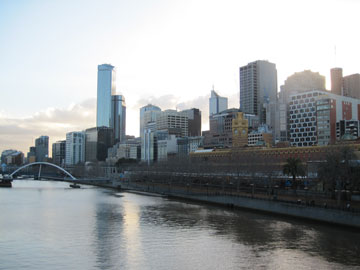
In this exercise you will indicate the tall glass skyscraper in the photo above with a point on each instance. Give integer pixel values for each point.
(118, 121)
(105, 89)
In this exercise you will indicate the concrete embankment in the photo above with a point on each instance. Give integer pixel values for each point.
(321, 214)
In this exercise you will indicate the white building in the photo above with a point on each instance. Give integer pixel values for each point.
(75, 148)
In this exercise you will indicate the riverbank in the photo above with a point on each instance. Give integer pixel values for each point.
(272, 206)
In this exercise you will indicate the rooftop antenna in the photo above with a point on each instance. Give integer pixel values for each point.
(335, 55)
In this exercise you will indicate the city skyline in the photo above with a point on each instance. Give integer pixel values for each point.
(166, 53)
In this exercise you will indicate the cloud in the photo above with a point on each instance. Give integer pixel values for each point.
(20, 133)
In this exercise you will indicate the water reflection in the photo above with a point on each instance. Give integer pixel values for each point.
(57, 228)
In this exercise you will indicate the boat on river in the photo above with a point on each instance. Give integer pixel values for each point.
(5, 183)
(74, 185)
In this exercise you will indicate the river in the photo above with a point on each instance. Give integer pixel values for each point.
(47, 225)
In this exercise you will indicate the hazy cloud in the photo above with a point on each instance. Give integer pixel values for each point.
(20, 133)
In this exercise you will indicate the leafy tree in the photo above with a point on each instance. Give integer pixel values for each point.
(294, 167)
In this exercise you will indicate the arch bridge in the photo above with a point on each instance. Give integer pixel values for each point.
(42, 163)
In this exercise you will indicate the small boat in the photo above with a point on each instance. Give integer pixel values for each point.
(74, 185)
(5, 183)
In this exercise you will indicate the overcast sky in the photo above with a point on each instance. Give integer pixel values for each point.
(166, 52)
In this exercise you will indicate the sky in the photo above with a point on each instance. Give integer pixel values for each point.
(166, 52)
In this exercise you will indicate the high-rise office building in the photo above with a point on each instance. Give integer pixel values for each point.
(147, 115)
(75, 148)
(105, 89)
(336, 75)
(42, 148)
(351, 85)
(217, 103)
(118, 120)
(258, 87)
(194, 122)
(58, 152)
(97, 142)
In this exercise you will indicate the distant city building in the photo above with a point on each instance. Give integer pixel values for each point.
(313, 116)
(175, 122)
(240, 130)
(12, 157)
(58, 152)
(217, 103)
(106, 87)
(166, 146)
(260, 137)
(118, 112)
(75, 148)
(130, 149)
(31, 155)
(299, 82)
(194, 122)
(147, 115)
(347, 128)
(221, 128)
(336, 75)
(351, 86)
(97, 142)
(42, 148)
(258, 87)
(148, 146)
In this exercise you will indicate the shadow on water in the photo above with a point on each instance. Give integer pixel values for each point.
(261, 232)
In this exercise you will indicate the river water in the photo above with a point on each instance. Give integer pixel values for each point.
(47, 225)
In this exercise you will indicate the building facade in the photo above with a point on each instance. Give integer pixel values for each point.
(258, 86)
(194, 122)
(97, 142)
(217, 103)
(336, 75)
(118, 120)
(58, 152)
(351, 85)
(75, 148)
(42, 148)
(147, 115)
(106, 87)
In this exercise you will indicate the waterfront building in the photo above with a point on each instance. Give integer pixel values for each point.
(240, 130)
(106, 87)
(118, 120)
(58, 152)
(194, 122)
(75, 148)
(97, 142)
(351, 85)
(12, 157)
(42, 148)
(336, 75)
(217, 103)
(258, 86)
(147, 115)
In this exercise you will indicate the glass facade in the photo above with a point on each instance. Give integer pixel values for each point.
(118, 123)
(105, 89)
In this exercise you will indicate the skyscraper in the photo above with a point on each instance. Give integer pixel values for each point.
(258, 88)
(336, 75)
(58, 152)
(147, 114)
(42, 148)
(118, 121)
(75, 147)
(105, 89)
(217, 104)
